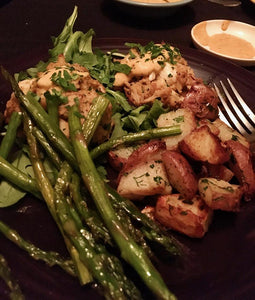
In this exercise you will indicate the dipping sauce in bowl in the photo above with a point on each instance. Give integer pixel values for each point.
(151, 8)
(156, 1)
(230, 39)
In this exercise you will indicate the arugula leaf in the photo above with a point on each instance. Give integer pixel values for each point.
(9, 194)
(153, 114)
(40, 67)
(135, 119)
(118, 130)
(31, 72)
(79, 43)
(88, 60)
(122, 68)
(118, 101)
(59, 42)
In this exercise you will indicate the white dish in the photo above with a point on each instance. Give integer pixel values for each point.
(231, 31)
(151, 9)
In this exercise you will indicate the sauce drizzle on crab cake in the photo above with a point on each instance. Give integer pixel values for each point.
(158, 71)
(67, 83)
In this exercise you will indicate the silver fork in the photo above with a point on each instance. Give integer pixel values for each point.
(236, 113)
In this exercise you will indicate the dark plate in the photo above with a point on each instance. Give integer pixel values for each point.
(220, 266)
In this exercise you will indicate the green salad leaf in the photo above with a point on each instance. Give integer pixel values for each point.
(10, 194)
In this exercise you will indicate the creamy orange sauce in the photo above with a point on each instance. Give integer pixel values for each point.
(224, 25)
(223, 43)
(156, 1)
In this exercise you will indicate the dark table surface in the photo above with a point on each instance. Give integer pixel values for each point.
(27, 25)
(25, 30)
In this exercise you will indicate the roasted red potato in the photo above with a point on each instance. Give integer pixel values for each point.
(219, 194)
(214, 129)
(180, 174)
(190, 217)
(241, 164)
(227, 133)
(117, 158)
(182, 117)
(202, 145)
(202, 100)
(144, 173)
(149, 211)
(219, 172)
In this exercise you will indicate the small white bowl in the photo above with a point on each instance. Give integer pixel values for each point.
(206, 29)
(151, 9)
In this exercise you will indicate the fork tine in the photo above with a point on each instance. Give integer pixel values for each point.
(242, 102)
(223, 118)
(236, 123)
(237, 109)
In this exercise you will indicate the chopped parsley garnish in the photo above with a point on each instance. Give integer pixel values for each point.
(157, 179)
(63, 79)
(156, 51)
(179, 119)
(55, 95)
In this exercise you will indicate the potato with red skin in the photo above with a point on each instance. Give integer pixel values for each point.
(180, 174)
(202, 145)
(149, 211)
(184, 118)
(219, 194)
(190, 217)
(151, 149)
(219, 172)
(227, 133)
(144, 173)
(118, 157)
(241, 164)
(202, 100)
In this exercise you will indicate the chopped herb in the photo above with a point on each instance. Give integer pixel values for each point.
(131, 54)
(188, 201)
(156, 51)
(183, 213)
(234, 137)
(159, 161)
(122, 68)
(227, 188)
(139, 180)
(204, 180)
(179, 119)
(161, 63)
(157, 179)
(218, 199)
(64, 80)
(55, 95)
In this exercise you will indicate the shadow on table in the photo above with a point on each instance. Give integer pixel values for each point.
(249, 8)
(135, 18)
(4, 2)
